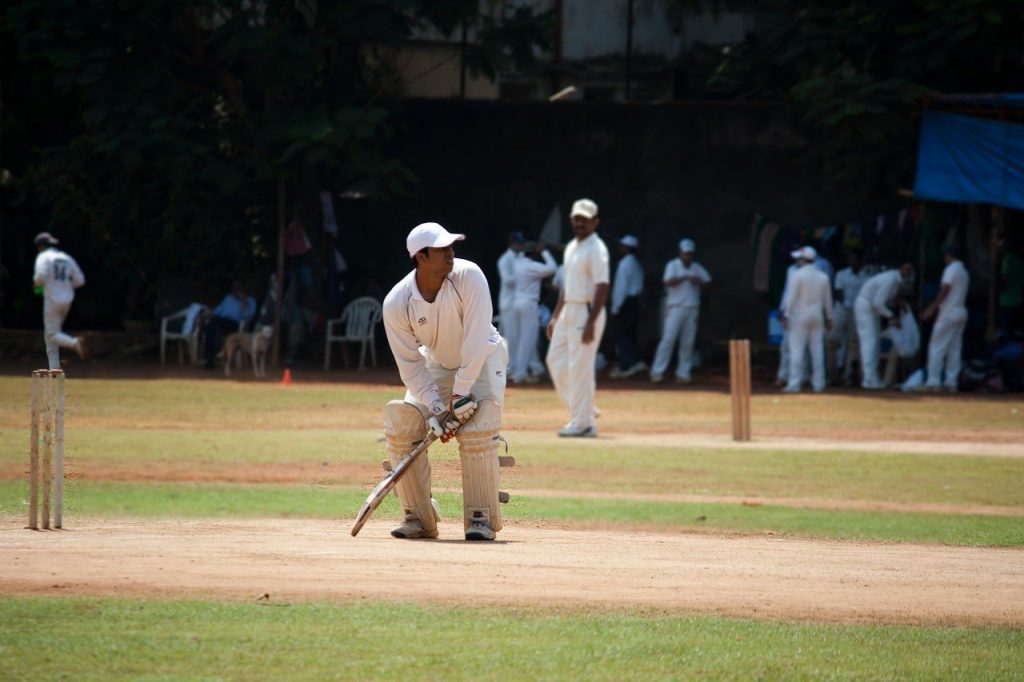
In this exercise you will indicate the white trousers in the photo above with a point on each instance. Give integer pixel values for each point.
(945, 346)
(509, 323)
(571, 362)
(806, 332)
(527, 315)
(54, 315)
(868, 331)
(490, 383)
(844, 332)
(680, 325)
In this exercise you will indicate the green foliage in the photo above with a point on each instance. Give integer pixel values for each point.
(190, 113)
(858, 70)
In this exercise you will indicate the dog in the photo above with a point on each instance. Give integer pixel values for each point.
(254, 344)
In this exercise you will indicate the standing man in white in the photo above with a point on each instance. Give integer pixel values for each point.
(872, 306)
(849, 281)
(627, 285)
(683, 279)
(578, 321)
(946, 342)
(58, 275)
(438, 324)
(507, 287)
(531, 268)
(808, 316)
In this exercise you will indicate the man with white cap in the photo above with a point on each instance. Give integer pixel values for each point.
(873, 305)
(683, 278)
(808, 315)
(452, 361)
(56, 276)
(944, 347)
(627, 285)
(578, 321)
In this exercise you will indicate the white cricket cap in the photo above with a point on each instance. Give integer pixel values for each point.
(687, 246)
(805, 253)
(430, 235)
(630, 241)
(583, 207)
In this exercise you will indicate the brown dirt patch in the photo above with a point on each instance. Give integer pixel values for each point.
(316, 560)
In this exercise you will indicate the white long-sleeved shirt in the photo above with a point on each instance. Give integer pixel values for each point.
(628, 281)
(955, 275)
(685, 293)
(785, 289)
(850, 283)
(58, 274)
(586, 266)
(809, 294)
(880, 290)
(454, 330)
(529, 274)
(507, 279)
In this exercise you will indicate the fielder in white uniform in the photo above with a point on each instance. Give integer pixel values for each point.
(872, 306)
(578, 321)
(58, 275)
(808, 315)
(683, 279)
(529, 273)
(507, 298)
(438, 324)
(848, 284)
(946, 342)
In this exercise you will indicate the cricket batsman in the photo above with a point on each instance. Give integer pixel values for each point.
(438, 324)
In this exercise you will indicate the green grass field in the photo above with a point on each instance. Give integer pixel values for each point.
(221, 450)
(111, 639)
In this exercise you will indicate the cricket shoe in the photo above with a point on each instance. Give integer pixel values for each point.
(635, 369)
(478, 530)
(571, 431)
(81, 346)
(412, 529)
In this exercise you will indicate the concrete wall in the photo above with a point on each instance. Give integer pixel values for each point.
(661, 172)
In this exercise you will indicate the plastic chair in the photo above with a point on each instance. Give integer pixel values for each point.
(356, 325)
(182, 327)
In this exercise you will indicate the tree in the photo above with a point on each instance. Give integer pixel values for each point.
(858, 70)
(198, 120)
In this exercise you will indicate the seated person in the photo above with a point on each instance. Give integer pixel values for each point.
(236, 309)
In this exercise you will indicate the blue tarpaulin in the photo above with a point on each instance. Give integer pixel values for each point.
(966, 159)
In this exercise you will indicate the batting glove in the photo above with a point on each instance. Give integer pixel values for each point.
(442, 423)
(463, 407)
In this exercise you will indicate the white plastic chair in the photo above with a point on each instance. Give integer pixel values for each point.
(182, 327)
(356, 325)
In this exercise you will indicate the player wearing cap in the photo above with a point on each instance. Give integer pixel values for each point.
(438, 324)
(808, 315)
(627, 285)
(872, 305)
(683, 278)
(946, 341)
(578, 321)
(57, 275)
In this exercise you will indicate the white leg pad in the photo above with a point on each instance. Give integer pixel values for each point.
(478, 450)
(404, 428)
